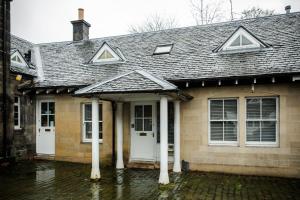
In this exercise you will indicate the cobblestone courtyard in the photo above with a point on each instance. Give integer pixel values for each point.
(61, 180)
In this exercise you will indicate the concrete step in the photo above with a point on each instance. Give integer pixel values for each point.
(141, 165)
(44, 157)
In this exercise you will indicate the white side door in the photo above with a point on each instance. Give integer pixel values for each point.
(45, 140)
(143, 131)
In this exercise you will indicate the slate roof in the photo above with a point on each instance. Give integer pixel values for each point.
(21, 45)
(192, 57)
(133, 81)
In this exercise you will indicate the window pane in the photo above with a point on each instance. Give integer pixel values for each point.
(139, 124)
(52, 120)
(230, 109)
(88, 130)
(51, 108)
(230, 131)
(147, 124)
(216, 131)
(16, 122)
(138, 111)
(216, 109)
(253, 108)
(147, 111)
(44, 120)
(236, 42)
(269, 108)
(14, 58)
(100, 130)
(245, 41)
(88, 112)
(268, 131)
(100, 112)
(253, 131)
(44, 107)
(16, 99)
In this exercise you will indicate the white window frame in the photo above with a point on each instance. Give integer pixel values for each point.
(227, 143)
(241, 32)
(263, 144)
(163, 50)
(17, 127)
(17, 54)
(83, 121)
(99, 53)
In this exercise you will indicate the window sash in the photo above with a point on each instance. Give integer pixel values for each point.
(85, 122)
(261, 120)
(18, 120)
(224, 120)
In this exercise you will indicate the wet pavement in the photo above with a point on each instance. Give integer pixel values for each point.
(62, 180)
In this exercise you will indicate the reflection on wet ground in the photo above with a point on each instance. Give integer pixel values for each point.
(62, 180)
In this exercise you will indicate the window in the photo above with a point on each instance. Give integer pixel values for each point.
(163, 49)
(106, 55)
(48, 114)
(87, 122)
(17, 117)
(261, 120)
(17, 59)
(223, 121)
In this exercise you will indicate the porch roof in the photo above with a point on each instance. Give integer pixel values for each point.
(129, 82)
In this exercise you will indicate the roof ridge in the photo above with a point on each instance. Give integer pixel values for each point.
(177, 28)
(24, 40)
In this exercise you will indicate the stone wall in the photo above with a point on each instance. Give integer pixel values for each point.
(278, 161)
(68, 131)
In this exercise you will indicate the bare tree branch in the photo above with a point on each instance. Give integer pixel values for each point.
(256, 12)
(206, 12)
(154, 23)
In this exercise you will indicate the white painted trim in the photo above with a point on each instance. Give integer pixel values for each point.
(18, 54)
(263, 144)
(223, 143)
(83, 133)
(241, 32)
(106, 47)
(177, 166)
(95, 172)
(38, 63)
(85, 89)
(165, 84)
(296, 78)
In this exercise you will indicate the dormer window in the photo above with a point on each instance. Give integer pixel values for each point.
(240, 41)
(106, 54)
(17, 59)
(163, 49)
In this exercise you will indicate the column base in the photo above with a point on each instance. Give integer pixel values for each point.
(164, 178)
(95, 174)
(120, 164)
(176, 168)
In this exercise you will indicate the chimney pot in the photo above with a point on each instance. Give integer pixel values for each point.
(288, 9)
(80, 14)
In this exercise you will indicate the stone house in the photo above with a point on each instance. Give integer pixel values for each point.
(222, 97)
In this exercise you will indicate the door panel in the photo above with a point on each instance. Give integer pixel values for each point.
(143, 131)
(45, 143)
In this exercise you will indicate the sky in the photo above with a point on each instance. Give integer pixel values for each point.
(41, 21)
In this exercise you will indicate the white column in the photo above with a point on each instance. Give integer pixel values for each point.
(163, 176)
(95, 174)
(119, 124)
(176, 167)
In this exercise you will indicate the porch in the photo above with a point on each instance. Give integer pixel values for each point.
(61, 180)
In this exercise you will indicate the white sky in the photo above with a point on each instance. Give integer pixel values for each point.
(49, 20)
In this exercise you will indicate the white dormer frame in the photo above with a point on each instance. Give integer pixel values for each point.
(241, 31)
(22, 62)
(106, 47)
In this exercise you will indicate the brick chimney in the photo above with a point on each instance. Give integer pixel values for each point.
(80, 27)
(288, 9)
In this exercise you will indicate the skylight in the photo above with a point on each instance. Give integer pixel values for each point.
(17, 59)
(163, 49)
(106, 55)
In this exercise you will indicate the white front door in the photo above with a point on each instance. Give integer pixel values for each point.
(143, 131)
(45, 140)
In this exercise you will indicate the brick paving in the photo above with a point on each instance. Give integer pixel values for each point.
(61, 180)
